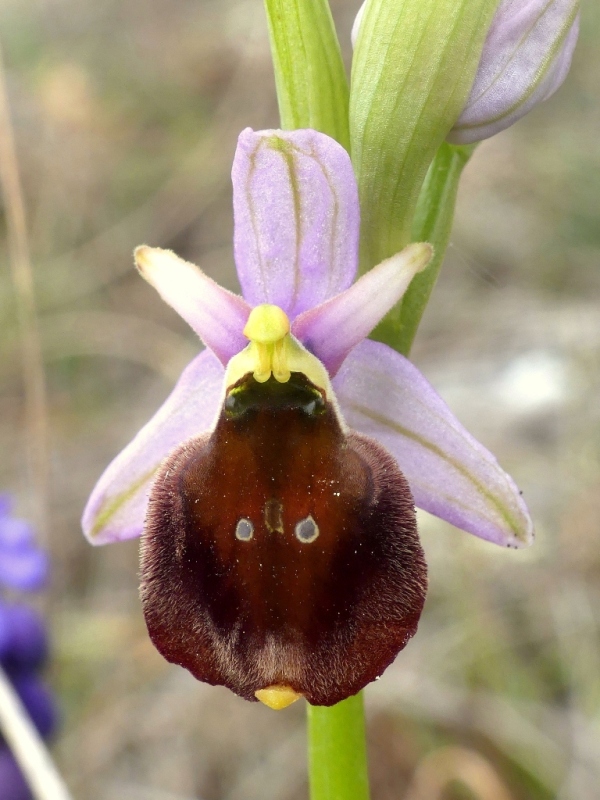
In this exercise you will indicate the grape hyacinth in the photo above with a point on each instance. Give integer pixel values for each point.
(23, 637)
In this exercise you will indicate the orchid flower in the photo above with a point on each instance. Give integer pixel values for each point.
(274, 490)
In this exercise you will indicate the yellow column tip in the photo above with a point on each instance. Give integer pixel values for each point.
(267, 324)
(277, 697)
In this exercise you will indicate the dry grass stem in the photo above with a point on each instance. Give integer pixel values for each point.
(22, 276)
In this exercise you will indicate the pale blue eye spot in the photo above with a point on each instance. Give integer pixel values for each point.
(306, 530)
(244, 530)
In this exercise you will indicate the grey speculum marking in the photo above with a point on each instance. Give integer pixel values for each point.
(306, 530)
(244, 530)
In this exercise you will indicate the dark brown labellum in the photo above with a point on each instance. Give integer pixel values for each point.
(281, 550)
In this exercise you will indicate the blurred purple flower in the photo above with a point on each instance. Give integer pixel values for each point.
(12, 783)
(23, 565)
(296, 246)
(23, 638)
(38, 700)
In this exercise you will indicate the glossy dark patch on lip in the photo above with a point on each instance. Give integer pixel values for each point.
(323, 614)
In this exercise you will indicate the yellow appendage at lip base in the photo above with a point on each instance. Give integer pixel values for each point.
(268, 328)
(277, 697)
(274, 351)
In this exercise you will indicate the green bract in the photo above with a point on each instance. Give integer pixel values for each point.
(414, 65)
(432, 223)
(312, 89)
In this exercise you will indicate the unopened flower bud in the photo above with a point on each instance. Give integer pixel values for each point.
(526, 57)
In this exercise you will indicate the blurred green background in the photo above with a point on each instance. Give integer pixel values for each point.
(126, 117)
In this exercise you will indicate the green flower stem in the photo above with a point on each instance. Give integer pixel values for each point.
(432, 223)
(337, 752)
(312, 88)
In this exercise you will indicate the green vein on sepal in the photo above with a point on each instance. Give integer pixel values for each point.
(113, 504)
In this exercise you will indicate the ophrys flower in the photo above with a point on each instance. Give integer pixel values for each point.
(279, 554)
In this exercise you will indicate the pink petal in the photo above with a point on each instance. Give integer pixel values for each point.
(117, 506)
(451, 475)
(296, 218)
(215, 314)
(332, 329)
